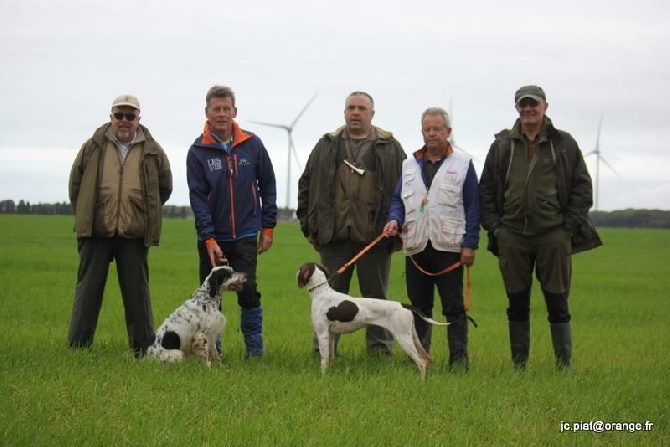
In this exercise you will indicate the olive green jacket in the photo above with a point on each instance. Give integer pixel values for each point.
(316, 186)
(574, 187)
(156, 180)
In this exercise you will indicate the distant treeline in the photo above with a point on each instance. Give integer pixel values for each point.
(64, 208)
(630, 218)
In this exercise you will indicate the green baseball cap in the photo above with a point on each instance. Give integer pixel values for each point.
(530, 91)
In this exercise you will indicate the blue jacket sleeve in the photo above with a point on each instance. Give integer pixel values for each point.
(471, 206)
(397, 208)
(267, 186)
(198, 191)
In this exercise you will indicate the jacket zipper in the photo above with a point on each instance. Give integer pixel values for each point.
(232, 195)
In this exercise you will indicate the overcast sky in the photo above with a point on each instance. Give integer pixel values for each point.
(63, 62)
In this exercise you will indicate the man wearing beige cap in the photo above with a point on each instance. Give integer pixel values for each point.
(535, 195)
(119, 182)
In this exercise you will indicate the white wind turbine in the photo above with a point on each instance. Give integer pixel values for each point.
(291, 148)
(599, 158)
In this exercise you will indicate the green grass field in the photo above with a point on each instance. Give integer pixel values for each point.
(52, 396)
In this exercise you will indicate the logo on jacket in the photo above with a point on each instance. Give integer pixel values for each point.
(215, 164)
(244, 162)
(452, 176)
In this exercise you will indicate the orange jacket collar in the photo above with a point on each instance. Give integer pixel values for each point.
(238, 134)
(421, 153)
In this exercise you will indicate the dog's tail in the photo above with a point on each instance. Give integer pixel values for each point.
(423, 316)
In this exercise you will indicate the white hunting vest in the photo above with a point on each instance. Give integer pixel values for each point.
(436, 214)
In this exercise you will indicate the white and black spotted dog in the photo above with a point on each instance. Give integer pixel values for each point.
(337, 313)
(193, 328)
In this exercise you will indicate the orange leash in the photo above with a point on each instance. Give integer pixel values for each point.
(468, 283)
(468, 289)
(361, 253)
(455, 265)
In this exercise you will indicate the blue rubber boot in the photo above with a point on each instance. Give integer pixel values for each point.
(251, 324)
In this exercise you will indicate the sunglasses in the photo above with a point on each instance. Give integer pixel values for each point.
(527, 102)
(129, 116)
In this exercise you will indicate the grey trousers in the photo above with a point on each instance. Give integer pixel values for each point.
(372, 269)
(95, 255)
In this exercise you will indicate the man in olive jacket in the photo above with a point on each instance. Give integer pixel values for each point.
(535, 195)
(119, 182)
(344, 195)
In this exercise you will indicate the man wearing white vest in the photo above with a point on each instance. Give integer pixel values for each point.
(435, 209)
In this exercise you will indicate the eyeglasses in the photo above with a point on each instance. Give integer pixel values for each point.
(527, 102)
(129, 116)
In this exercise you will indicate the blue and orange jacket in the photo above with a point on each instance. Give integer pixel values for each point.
(233, 194)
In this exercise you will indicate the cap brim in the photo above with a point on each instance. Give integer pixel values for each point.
(126, 104)
(535, 97)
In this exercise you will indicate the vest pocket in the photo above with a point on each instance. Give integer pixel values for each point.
(451, 231)
(410, 235)
(448, 195)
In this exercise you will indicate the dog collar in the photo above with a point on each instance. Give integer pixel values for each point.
(318, 285)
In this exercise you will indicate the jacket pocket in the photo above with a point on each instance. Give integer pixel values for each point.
(450, 231)
(133, 216)
(104, 220)
(448, 195)
(410, 234)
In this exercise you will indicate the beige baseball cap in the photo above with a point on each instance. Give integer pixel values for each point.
(127, 101)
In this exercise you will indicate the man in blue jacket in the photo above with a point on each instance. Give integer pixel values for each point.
(232, 189)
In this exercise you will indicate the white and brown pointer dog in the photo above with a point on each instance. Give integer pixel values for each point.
(337, 313)
(192, 329)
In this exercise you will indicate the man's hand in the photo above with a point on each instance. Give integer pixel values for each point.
(314, 242)
(215, 253)
(467, 256)
(391, 228)
(265, 240)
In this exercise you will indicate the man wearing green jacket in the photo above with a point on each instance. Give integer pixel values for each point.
(119, 182)
(344, 195)
(535, 195)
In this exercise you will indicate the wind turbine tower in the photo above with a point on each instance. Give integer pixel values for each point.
(599, 158)
(291, 148)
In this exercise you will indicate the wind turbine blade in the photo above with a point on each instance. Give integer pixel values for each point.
(591, 153)
(303, 110)
(600, 126)
(609, 166)
(294, 152)
(263, 123)
(451, 116)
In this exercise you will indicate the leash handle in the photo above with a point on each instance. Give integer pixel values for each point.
(468, 288)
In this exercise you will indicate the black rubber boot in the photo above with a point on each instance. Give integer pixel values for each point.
(561, 339)
(519, 342)
(457, 339)
(424, 331)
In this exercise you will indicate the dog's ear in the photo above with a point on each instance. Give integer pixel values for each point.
(304, 273)
(323, 269)
(217, 277)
